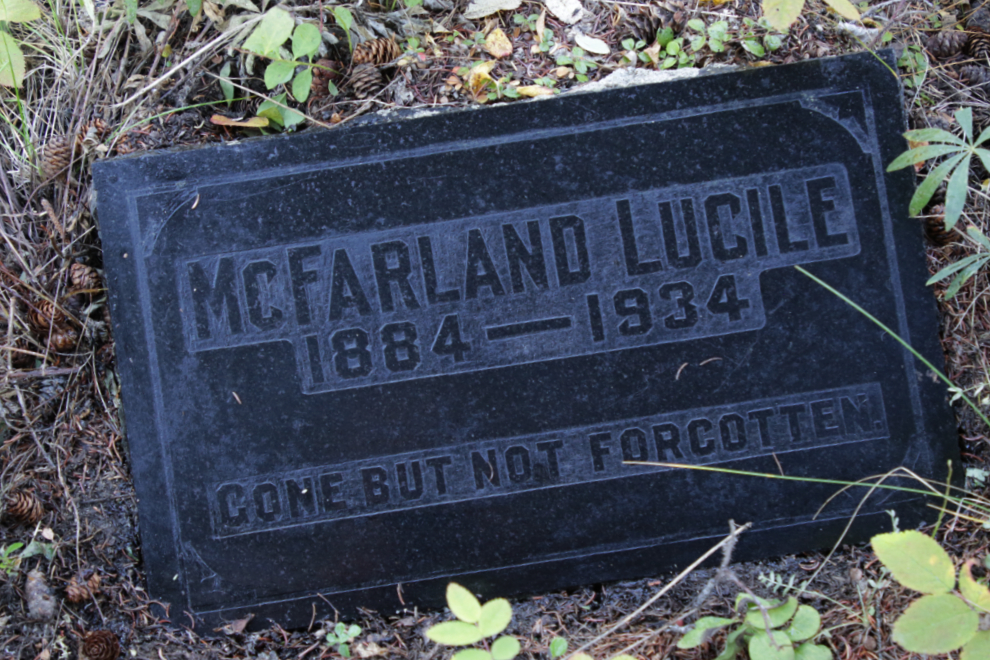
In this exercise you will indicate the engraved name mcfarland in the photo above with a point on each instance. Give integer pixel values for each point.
(811, 420)
(538, 284)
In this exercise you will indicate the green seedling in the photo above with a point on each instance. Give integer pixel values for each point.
(278, 113)
(768, 630)
(267, 40)
(674, 55)
(961, 271)
(712, 35)
(528, 22)
(634, 51)
(8, 562)
(12, 65)
(577, 60)
(476, 623)
(916, 62)
(955, 169)
(752, 41)
(945, 618)
(341, 636)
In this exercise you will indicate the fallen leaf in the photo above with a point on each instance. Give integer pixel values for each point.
(914, 145)
(534, 90)
(252, 122)
(498, 44)
(592, 45)
(478, 79)
(368, 650)
(541, 25)
(653, 52)
(48, 534)
(561, 71)
(481, 8)
(568, 11)
(236, 627)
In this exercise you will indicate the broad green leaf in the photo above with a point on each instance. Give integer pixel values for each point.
(936, 624)
(743, 597)
(130, 10)
(696, 635)
(933, 135)
(973, 591)
(730, 651)
(278, 72)
(301, 84)
(19, 11)
(844, 8)
(964, 117)
(977, 648)
(762, 648)
(194, 6)
(915, 560)
(455, 633)
(472, 654)
(811, 651)
(12, 66)
(780, 14)
(984, 136)
(225, 86)
(344, 17)
(495, 616)
(955, 192)
(718, 29)
(271, 113)
(753, 46)
(921, 154)
(984, 157)
(778, 615)
(697, 25)
(805, 624)
(305, 40)
(273, 31)
(463, 603)
(558, 647)
(505, 648)
(928, 187)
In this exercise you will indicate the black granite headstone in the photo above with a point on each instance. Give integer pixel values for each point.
(361, 363)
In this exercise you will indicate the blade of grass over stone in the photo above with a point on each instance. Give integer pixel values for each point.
(955, 192)
(941, 376)
(924, 192)
(965, 119)
(921, 154)
(934, 135)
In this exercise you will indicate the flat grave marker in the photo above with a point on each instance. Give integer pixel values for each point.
(359, 364)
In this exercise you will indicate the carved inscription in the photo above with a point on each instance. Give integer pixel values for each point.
(573, 456)
(597, 275)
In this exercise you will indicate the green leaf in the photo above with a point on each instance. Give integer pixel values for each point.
(697, 25)
(960, 279)
(927, 188)
(778, 615)
(915, 560)
(194, 7)
(955, 267)
(332, 88)
(762, 648)
(305, 40)
(273, 31)
(805, 624)
(495, 616)
(12, 65)
(921, 154)
(225, 86)
(472, 654)
(773, 41)
(780, 14)
(936, 624)
(455, 633)
(697, 635)
(984, 157)
(753, 46)
(130, 11)
(19, 11)
(343, 17)
(730, 651)
(743, 597)
(933, 135)
(977, 594)
(558, 647)
(718, 29)
(844, 8)
(984, 136)
(463, 603)
(665, 36)
(505, 648)
(697, 42)
(977, 236)
(811, 651)
(278, 72)
(716, 45)
(301, 84)
(977, 648)
(353, 631)
(955, 192)
(964, 117)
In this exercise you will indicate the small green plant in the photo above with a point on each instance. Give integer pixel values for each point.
(634, 51)
(758, 37)
(964, 269)
(476, 623)
(12, 64)
(768, 630)
(916, 62)
(676, 55)
(528, 22)
(712, 35)
(944, 618)
(8, 562)
(342, 635)
(577, 60)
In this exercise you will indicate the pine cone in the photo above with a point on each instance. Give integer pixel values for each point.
(978, 46)
(24, 506)
(376, 51)
(62, 339)
(326, 71)
(80, 589)
(101, 645)
(366, 80)
(84, 277)
(946, 43)
(56, 156)
(44, 314)
(974, 74)
(935, 230)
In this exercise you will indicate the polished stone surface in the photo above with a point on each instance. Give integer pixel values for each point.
(364, 362)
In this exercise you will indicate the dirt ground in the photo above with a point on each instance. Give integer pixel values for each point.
(124, 79)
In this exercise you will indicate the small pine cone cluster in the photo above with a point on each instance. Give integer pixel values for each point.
(974, 74)
(366, 80)
(24, 506)
(935, 230)
(978, 46)
(101, 645)
(376, 51)
(81, 588)
(56, 156)
(45, 314)
(84, 278)
(325, 71)
(946, 43)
